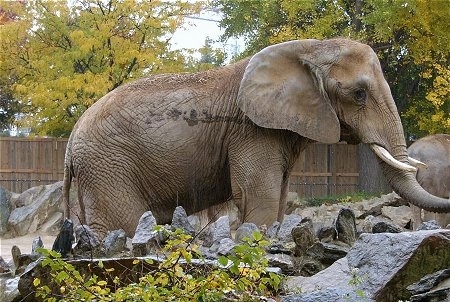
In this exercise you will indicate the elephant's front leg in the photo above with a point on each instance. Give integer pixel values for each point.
(259, 184)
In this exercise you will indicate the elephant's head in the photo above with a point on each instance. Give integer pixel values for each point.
(328, 91)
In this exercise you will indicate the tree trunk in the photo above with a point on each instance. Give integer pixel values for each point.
(371, 177)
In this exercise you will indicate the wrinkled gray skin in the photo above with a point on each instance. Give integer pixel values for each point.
(232, 133)
(434, 151)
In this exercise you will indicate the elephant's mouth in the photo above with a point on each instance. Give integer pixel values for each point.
(384, 155)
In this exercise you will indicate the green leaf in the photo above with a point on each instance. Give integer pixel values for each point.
(257, 236)
(223, 260)
(61, 276)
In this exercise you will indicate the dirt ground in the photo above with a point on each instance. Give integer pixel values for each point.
(24, 243)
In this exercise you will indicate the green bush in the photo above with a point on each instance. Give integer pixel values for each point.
(242, 276)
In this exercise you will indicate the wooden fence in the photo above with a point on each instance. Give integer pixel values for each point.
(324, 170)
(29, 162)
(321, 170)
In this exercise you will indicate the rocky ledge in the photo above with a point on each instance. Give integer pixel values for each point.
(345, 252)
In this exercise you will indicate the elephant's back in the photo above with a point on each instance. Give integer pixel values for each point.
(434, 151)
(432, 147)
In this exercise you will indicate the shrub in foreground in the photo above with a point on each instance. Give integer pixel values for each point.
(181, 274)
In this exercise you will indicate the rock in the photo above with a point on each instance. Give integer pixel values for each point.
(370, 221)
(401, 215)
(221, 229)
(16, 253)
(326, 234)
(63, 242)
(114, 242)
(303, 236)
(21, 261)
(373, 206)
(438, 294)
(428, 282)
(309, 267)
(273, 229)
(245, 230)
(5, 210)
(145, 239)
(386, 227)
(9, 291)
(4, 267)
(88, 243)
(284, 233)
(428, 225)
(37, 244)
(217, 231)
(284, 262)
(337, 275)
(194, 220)
(34, 207)
(327, 253)
(226, 246)
(322, 216)
(53, 224)
(346, 226)
(387, 263)
(180, 221)
(277, 248)
(327, 295)
(411, 255)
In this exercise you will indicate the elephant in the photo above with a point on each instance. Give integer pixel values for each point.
(434, 151)
(233, 134)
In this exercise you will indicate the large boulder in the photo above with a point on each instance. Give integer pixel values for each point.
(381, 266)
(39, 208)
(34, 208)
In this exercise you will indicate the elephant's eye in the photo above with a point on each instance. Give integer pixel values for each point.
(360, 96)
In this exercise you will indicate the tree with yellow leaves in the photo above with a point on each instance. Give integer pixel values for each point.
(61, 58)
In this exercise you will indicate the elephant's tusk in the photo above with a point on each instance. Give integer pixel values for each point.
(417, 163)
(389, 159)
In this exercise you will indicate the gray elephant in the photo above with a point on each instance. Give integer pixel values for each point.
(434, 151)
(235, 132)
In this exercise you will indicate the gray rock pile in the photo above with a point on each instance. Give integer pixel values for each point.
(345, 252)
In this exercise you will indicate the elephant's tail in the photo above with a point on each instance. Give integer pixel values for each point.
(67, 181)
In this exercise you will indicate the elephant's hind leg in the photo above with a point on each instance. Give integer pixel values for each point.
(118, 207)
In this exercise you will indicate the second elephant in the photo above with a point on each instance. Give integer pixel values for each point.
(434, 151)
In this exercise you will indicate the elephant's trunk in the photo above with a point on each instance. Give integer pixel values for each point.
(404, 183)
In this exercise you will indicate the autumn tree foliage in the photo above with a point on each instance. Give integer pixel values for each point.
(411, 38)
(58, 59)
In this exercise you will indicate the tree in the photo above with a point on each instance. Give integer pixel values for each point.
(210, 57)
(9, 106)
(410, 38)
(66, 57)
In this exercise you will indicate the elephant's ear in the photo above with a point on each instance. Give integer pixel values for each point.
(283, 89)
